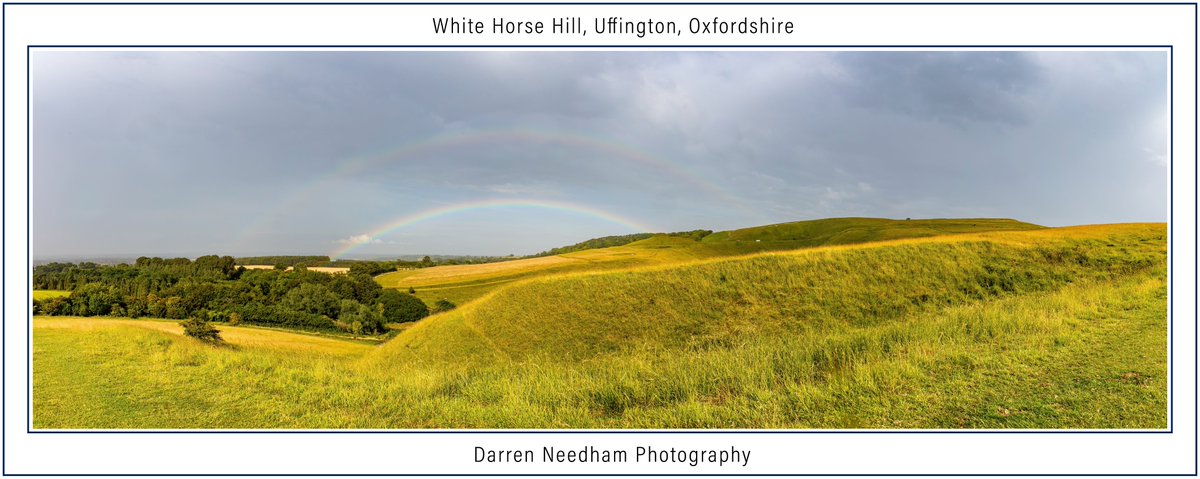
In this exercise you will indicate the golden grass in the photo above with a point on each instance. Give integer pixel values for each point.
(248, 337)
(634, 304)
(468, 272)
(464, 283)
(1062, 328)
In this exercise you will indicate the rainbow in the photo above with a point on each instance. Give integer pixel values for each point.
(425, 148)
(428, 148)
(451, 209)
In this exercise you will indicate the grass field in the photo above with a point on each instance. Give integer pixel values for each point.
(463, 283)
(1049, 328)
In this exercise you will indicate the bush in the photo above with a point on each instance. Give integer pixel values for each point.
(401, 308)
(442, 306)
(56, 306)
(201, 329)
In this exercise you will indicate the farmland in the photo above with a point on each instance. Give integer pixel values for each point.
(861, 328)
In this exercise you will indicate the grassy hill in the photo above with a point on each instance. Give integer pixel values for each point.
(461, 284)
(1048, 328)
(838, 231)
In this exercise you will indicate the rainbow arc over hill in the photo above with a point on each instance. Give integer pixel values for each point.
(428, 149)
(451, 209)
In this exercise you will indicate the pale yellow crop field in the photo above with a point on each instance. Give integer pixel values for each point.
(318, 269)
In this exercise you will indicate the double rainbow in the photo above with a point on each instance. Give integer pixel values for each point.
(446, 210)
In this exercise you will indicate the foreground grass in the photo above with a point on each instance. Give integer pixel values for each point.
(1045, 329)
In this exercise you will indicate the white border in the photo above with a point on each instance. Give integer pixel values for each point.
(428, 453)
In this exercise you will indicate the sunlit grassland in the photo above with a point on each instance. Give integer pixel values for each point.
(463, 283)
(44, 294)
(1060, 328)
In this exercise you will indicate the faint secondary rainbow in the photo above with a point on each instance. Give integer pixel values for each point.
(425, 148)
(446, 210)
(428, 148)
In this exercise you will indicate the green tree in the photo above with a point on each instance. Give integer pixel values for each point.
(401, 308)
(313, 299)
(361, 318)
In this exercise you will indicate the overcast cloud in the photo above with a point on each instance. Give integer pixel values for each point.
(187, 153)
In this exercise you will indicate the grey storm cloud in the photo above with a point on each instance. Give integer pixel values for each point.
(951, 87)
(240, 152)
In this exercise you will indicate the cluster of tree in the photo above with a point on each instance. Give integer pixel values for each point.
(620, 240)
(146, 275)
(285, 261)
(211, 289)
(694, 235)
(369, 268)
(366, 267)
(595, 243)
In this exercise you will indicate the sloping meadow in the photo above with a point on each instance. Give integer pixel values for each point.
(1055, 328)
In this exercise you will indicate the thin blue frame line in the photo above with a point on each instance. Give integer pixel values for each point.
(1170, 238)
(29, 350)
(4, 234)
(608, 475)
(597, 431)
(28, 240)
(630, 47)
(1195, 216)
(606, 3)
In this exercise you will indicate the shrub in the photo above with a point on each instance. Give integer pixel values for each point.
(401, 308)
(200, 329)
(442, 306)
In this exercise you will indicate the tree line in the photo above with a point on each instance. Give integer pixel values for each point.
(618, 240)
(213, 288)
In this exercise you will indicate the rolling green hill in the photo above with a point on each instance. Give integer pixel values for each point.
(461, 284)
(838, 231)
(1046, 328)
(718, 300)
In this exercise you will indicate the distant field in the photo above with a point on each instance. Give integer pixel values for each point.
(319, 269)
(1053, 328)
(43, 294)
(464, 283)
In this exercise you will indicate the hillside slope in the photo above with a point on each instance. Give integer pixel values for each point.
(464, 283)
(1054, 328)
(715, 302)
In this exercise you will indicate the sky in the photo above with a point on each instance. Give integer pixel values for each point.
(351, 154)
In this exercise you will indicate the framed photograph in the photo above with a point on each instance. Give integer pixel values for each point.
(600, 239)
